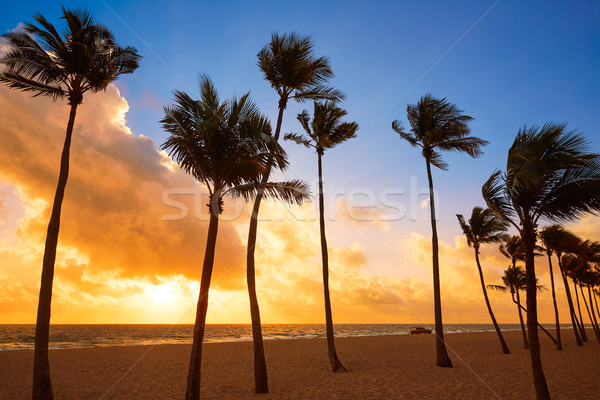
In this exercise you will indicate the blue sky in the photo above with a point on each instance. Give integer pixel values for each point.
(523, 63)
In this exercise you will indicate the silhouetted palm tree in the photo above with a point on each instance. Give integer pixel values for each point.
(559, 241)
(549, 174)
(571, 265)
(484, 227)
(548, 237)
(438, 125)
(325, 132)
(288, 64)
(226, 146)
(514, 280)
(85, 57)
(587, 253)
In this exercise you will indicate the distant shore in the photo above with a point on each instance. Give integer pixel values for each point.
(381, 367)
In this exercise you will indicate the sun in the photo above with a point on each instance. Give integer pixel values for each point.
(161, 294)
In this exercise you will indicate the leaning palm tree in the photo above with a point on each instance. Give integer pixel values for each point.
(484, 227)
(288, 64)
(550, 174)
(513, 249)
(571, 265)
(587, 253)
(325, 132)
(438, 125)
(226, 146)
(514, 280)
(559, 241)
(83, 58)
(548, 236)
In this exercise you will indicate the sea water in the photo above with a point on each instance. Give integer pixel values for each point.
(21, 337)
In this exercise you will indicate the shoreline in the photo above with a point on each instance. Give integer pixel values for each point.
(399, 366)
(266, 336)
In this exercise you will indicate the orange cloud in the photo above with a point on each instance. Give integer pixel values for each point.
(126, 256)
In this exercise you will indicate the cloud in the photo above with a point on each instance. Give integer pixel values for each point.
(123, 257)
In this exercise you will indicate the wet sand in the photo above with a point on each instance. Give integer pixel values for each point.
(384, 367)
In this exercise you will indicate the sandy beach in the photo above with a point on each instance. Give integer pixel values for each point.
(400, 367)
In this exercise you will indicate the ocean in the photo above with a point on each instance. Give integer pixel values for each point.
(21, 337)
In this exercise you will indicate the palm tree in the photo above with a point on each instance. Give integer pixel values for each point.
(288, 64)
(559, 240)
(549, 174)
(325, 132)
(226, 146)
(571, 265)
(587, 253)
(513, 249)
(438, 125)
(85, 57)
(514, 280)
(548, 237)
(484, 227)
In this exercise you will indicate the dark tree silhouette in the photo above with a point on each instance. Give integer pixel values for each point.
(549, 174)
(324, 132)
(227, 146)
(484, 227)
(513, 249)
(288, 64)
(438, 125)
(85, 57)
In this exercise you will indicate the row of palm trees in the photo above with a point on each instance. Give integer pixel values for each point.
(581, 264)
(230, 147)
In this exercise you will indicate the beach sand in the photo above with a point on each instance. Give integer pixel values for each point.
(384, 367)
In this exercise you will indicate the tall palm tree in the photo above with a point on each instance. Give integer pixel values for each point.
(515, 280)
(549, 236)
(84, 57)
(325, 132)
(513, 249)
(438, 125)
(560, 241)
(226, 146)
(587, 253)
(550, 174)
(288, 64)
(484, 227)
(571, 265)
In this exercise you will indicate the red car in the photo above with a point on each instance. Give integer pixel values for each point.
(419, 329)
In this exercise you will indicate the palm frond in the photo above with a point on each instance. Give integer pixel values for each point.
(498, 288)
(493, 192)
(298, 139)
(292, 192)
(319, 92)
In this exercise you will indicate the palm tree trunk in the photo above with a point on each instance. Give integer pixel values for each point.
(333, 358)
(596, 302)
(261, 382)
(42, 384)
(570, 301)
(505, 349)
(581, 326)
(539, 379)
(589, 313)
(593, 312)
(194, 373)
(558, 341)
(525, 341)
(542, 328)
(443, 360)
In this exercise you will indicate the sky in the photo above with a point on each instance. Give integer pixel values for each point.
(125, 256)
